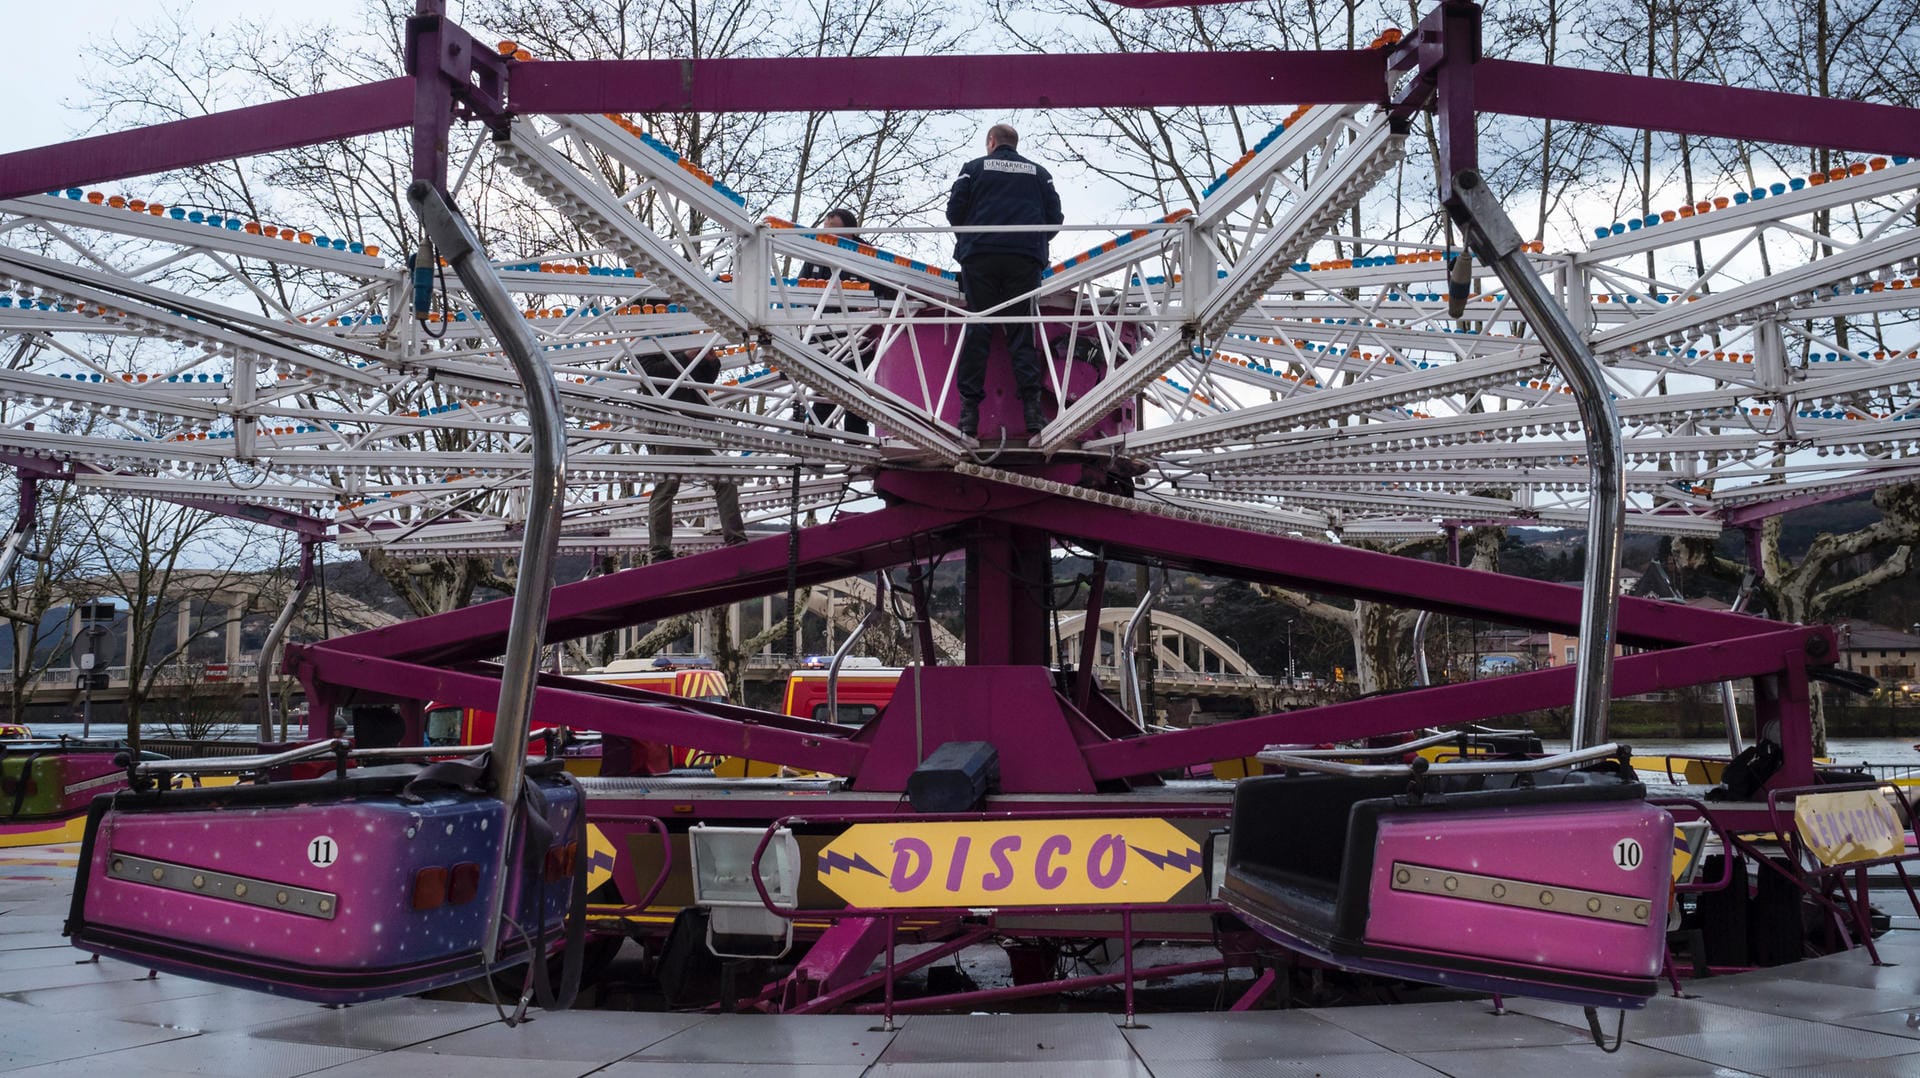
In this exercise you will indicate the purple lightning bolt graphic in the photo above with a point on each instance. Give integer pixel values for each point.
(1185, 862)
(830, 861)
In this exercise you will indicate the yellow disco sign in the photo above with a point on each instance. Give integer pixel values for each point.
(1851, 825)
(1002, 863)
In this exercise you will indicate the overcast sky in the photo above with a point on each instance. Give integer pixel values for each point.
(41, 79)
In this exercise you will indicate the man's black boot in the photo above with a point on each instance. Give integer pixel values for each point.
(969, 419)
(1034, 419)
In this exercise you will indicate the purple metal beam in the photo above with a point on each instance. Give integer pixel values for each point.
(1366, 574)
(820, 747)
(1693, 108)
(1741, 516)
(846, 547)
(1007, 568)
(1753, 656)
(278, 125)
(309, 529)
(1016, 81)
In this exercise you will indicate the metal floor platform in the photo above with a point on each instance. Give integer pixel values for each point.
(59, 1016)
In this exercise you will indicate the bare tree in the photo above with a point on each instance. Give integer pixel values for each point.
(1807, 591)
(1379, 631)
(41, 586)
(183, 575)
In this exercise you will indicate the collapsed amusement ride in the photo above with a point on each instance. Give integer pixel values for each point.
(1222, 396)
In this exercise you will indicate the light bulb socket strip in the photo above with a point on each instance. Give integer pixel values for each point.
(1338, 187)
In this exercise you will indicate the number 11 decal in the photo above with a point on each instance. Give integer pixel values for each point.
(322, 851)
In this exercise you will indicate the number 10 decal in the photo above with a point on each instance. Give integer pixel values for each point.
(1626, 853)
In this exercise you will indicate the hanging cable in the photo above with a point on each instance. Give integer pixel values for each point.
(326, 610)
(793, 570)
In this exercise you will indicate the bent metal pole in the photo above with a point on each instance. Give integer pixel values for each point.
(263, 674)
(455, 241)
(1497, 244)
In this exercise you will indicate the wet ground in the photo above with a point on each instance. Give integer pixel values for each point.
(60, 1016)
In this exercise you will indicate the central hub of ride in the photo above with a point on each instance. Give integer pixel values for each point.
(919, 366)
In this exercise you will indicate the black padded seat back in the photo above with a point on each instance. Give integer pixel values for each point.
(1295, 826)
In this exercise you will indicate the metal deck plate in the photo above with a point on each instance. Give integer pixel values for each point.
(1854, 969)
(1585, 1060)
(1892, 1067)
(216, 1012)
(1815, 1001)
(571, 1036)
(1900, 1022)
(230, 1055)
(1058, 1068)
(1765, 1046)
(416, 1065)
(1008, 1038)
(1663, 1016)
(635, 1068)
(1349, 1065)
(30, 1036)
(114, 997)
(1435, 1027)
(1164, 1038)
(785, 1039)
(380, 1026)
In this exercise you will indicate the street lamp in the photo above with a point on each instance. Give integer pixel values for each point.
(94, 618)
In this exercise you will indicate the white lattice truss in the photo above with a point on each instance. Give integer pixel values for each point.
(1760, 348)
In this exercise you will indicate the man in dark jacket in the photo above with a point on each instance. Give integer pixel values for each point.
(683, 376)
(1002, 188)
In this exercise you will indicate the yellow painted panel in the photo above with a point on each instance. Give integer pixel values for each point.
(1009, 863)
(1848, 826)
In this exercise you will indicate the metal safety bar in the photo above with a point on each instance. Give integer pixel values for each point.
(1437, 738)
(311, 750)
(1325, 761)
(212, 764)
(656, 826)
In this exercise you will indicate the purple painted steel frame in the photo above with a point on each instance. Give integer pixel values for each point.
(1694, 108)
(410, 660)
(1762, 654)
(846, 547)
(632, 713)
(1015, 81)
(465, 81)
(244, 132)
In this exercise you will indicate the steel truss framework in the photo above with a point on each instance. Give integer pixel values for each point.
(197, 355)
(193, 355)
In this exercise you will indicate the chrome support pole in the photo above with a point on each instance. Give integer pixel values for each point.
(1130, 670)
(454, 240)
(1498, 246)
(1729, 707)
(263, 676)
(24, 521)
(1425, 677)
(882, 592)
